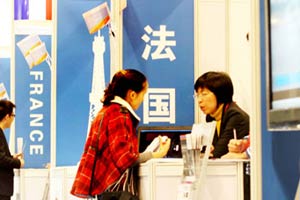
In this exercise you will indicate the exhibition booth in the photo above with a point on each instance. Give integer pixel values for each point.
(60, 54)
(56, 83)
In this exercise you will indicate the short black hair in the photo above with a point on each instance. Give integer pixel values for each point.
(6, 107)
(217, 82)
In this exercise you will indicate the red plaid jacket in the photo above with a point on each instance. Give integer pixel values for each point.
(117, 150)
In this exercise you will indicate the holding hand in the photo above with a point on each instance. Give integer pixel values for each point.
(237, 149)
(20, 156)
(164, 145)
(237, 146)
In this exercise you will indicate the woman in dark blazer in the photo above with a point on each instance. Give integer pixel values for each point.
(7, 161)
(214, 91)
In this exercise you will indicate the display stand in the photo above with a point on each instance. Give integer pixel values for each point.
(159, 179)
(195, 162)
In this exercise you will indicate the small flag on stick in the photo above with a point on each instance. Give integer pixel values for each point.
(96, 18)
(33, 50)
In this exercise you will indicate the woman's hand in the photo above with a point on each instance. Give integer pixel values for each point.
(164, 146)
(18, 155)
(237, 146)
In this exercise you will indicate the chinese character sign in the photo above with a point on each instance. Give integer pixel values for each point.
(162, 47)
(160, 41)
(159, 105)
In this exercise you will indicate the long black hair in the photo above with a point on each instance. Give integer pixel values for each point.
(122, 81)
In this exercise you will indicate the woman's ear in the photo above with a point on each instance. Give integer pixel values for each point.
(130, 95)
(133, 94)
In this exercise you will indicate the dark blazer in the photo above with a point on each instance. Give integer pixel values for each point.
(7, 164)
(233, 117)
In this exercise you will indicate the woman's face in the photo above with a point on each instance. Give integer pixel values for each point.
(207, 101)
(137, 98)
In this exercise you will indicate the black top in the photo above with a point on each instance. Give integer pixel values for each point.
(233, 117)
(7, 164)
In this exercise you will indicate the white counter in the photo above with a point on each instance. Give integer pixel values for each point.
(159, 179)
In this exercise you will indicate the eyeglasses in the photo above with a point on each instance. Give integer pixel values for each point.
(201, 95)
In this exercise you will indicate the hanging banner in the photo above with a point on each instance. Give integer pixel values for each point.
(33, 94)
(162, 46)
(83, 63)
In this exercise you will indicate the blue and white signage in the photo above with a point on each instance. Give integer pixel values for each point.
(161, 45)
(33, 108)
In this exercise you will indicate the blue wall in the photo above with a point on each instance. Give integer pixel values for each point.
(280, 150)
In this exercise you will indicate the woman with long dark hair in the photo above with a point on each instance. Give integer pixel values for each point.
(112, 144)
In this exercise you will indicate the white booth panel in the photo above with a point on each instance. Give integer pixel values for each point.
(160, 179)
(34, 183)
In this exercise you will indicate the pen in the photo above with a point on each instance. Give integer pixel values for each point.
(234, 134)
